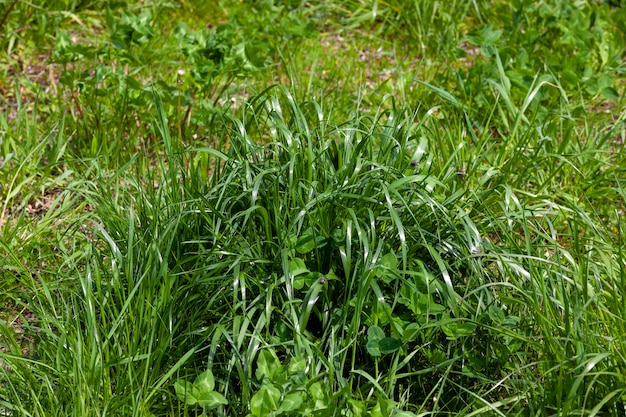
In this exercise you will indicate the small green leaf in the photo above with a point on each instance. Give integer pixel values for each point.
(390, 261)
(511, 321)
(297, 267)
(389, 345)
(604, 81)
(338, 236)
(316, 391)
(62, 47)
(434, 308)
(265, 401)
(373, 348)
(513, 344)
(455, 329)
(211, 400)
(386, 267)
(309, 241)
(297, 364)
(375, 333)
(496, 315)
(268, 365)
(299, 282)
(358, 408)
(410, 332)
(377, 411)
(484, 36)
(291, 402)
(609, 93)
(436, 356)
(570, 77)
(308, 280)
(185, 392)
(205, 382)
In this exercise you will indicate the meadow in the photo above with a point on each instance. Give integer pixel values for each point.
(350, 208)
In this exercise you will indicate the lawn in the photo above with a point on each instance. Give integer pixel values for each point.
(330, 208)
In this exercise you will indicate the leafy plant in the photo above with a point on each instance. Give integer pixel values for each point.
(130, 30)
(201, 392)
(378, 343)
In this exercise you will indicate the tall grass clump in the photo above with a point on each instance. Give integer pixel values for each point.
(392, 264)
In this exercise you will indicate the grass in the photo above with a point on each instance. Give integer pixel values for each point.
(330, 208)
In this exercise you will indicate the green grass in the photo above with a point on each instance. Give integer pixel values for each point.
(312, 208)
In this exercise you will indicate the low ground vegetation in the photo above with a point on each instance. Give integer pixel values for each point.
(284, 208)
